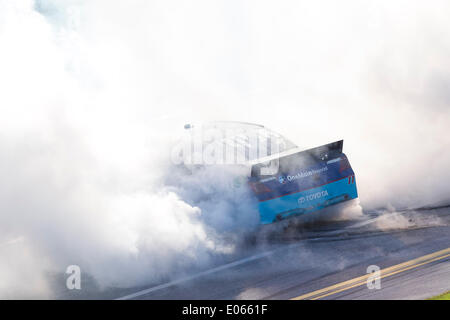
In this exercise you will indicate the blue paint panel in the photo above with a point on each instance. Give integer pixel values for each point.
(308, 201)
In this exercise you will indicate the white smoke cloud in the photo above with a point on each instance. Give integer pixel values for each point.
(95, 92)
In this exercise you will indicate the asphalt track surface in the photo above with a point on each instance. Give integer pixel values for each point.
(411, 248)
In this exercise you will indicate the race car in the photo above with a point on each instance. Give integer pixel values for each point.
(286, 180)
(305, 182)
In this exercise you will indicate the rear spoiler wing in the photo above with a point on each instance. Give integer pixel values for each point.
(321, 153)
(326, 150)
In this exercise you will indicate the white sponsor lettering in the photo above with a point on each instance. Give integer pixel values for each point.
(304, 174)
(313, 196)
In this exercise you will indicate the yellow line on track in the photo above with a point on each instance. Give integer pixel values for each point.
(359, 281)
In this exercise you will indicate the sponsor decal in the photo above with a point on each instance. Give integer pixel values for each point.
(313, 196)
(282, 179)
(304, 174)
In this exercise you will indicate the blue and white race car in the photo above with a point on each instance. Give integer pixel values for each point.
(285, 180)
(305, 182)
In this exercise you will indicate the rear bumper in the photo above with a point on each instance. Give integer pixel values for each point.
(308, 201)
